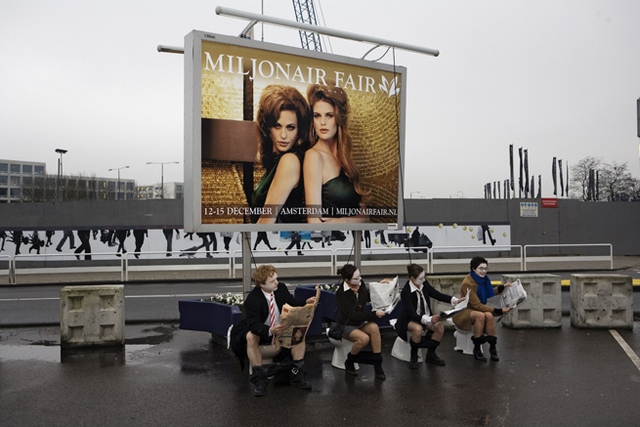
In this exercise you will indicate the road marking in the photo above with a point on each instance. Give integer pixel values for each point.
(634, 357)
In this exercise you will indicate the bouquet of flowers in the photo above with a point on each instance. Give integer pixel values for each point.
(228, 298)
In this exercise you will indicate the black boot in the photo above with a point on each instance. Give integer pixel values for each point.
(298, 375)
(260, 379)
(369, 358)
(376, 358)
(349, 364)
(477, 348)
(432, 357)
(413, 363)
(492, 347)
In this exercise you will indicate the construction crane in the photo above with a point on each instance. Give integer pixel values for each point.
(306, 13)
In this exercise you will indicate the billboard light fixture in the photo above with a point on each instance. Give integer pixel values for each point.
(234, 13)
(255, 18)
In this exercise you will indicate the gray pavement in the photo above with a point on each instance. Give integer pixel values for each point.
(170, 377)
(165, 376)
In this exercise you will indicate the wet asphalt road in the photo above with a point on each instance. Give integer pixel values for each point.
(170, 377)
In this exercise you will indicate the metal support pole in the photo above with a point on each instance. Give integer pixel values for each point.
(357, 248)
(246, 262)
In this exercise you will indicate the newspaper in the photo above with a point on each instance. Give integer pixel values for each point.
(297, 321)
(461, 305)
(513, 295)
(384, 295)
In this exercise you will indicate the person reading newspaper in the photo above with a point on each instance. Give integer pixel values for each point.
(417, 317)
(261, 325)
(479, 315)
(359, 325)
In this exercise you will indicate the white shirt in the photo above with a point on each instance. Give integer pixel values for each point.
(426, 318)
(267, 295)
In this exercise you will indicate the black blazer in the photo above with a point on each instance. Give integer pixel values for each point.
(410, 306)
(352, 310)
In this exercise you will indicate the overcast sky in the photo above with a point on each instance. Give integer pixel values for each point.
(558, 77)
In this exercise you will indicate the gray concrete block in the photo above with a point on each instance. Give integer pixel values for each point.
(449, 285)
(601, 301)
(91, 316)
(543, 306)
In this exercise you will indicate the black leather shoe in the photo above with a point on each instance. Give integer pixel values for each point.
(413, 363)
(494, 354)
(379, 372)
(350, 368)
(477, 353)
(433, 358)
(260, 390)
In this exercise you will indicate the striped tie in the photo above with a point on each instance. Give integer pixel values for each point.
(272, 315)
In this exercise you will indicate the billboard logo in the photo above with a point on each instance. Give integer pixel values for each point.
(390, 87)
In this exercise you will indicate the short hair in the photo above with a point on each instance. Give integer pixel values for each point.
(262, 273)
(414, 270)
(476, 261)
(347, 270)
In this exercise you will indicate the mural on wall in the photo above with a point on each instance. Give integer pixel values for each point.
(148, 244)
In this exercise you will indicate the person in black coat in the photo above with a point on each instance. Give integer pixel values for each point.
(418, 318)
(257, 329)
(360, 325)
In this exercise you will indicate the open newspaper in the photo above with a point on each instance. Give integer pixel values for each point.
(513, 295)
(385, 295)
(297, 321)
(461, 305)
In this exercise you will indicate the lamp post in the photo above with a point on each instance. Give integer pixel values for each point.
(60, 151)
(162, 174)
(118, 182)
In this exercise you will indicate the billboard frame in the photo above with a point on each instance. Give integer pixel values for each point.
(193, 209)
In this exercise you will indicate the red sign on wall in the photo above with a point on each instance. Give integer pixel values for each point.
(549, 202)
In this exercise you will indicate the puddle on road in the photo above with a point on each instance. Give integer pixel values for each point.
(51, 353)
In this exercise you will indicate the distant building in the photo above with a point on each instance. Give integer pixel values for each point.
(12, 175)
(172, 190)
(22, 181)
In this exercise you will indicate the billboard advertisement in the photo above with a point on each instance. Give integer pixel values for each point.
(278, 138)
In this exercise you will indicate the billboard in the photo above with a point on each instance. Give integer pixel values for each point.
(282, 139)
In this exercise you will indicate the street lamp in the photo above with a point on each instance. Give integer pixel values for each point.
(60, 151)
(162, 174)
(118, 183)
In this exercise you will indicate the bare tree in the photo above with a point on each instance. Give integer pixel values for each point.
(580, 175)
(616, 182)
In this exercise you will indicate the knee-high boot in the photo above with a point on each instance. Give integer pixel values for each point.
(349, 364)
(413, 362)
(260, 379)
(297, 375)
(492, 347)
(375, 359)
(477, 348)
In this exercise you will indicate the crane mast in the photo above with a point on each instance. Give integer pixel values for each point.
(305, 13)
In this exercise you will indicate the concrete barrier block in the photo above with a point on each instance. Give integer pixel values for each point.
(543, 306)
(449, 285)
(601, 301)
(91, 316)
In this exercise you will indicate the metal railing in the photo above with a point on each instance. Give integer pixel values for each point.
(324, 259)
(432, 261)
(569, 258)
